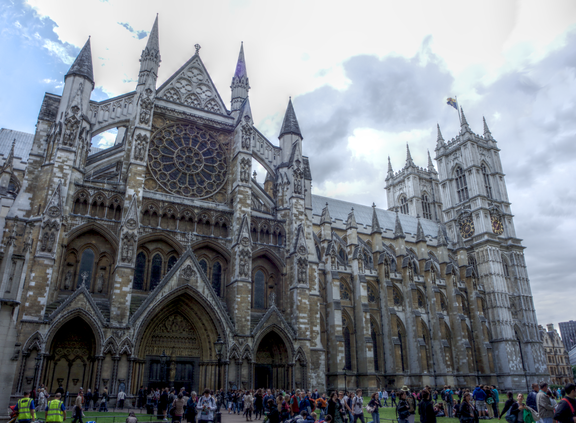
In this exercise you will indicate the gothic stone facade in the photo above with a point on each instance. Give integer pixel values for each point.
(557, 357)
(161, 260)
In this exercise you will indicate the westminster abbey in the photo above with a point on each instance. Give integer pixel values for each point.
(161, 261)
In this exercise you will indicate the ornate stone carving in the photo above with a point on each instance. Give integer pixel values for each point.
(298, 175)
(244, 263)
(140, 147)
(71, 126)
(146, 104)
(68, 280)
(128, 246)
(187, 273)
(247, 132)
(100, 282)
(245, 165)
(49, 231)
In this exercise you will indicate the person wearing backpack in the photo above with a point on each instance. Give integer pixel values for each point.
(426, 409)
(206, 407)
(545, 407)
(509, 403)
(411, 403)
(373, 407)
(357, 407)
(449, 400)
(566, 410)
(467, 410)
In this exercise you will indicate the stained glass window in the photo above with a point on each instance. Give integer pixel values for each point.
(371, 295)
(344, 292)
(461, 185)
(259, 290)
(204, 266)
(217, 277)
(397, 298)
(404, 207)
(187, 160)
(156, 271)
(171, 262)
(139, 271)
(426, 207)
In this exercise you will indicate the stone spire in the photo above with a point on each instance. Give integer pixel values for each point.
(325, 218)
(351, 221)
(487, 133)
(430, 163)
(290, 124)
(409, 161)
(440, 139)
(398, 231)
(240, 85)
(375, 223)
(82, 66)
(420, 232)
(150, 58)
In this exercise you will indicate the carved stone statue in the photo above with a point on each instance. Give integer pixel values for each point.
(100, 282)
(68, 279)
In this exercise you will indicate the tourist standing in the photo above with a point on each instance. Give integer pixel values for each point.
(258, 404)
(191, 408)
(248, 401)
(334, 408)
(384, 398)
(25, 408)
(495, 406)
(426, 409)
(402, 408)
(121, 397)
(518, 408)
(509, 403)
(273, 414)
(374, 407)
(357, 407)
(163, 403)
(479, 396)
(178, 405)
(545, 407)
(206, 407)
(467, 409)
(95, 399)
(449, 400)
(393, 399)
(87, 399)
(531, 400)
(566, 411)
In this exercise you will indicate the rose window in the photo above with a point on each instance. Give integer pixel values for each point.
(187, 160)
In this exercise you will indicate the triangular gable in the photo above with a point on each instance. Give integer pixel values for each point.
(272, 316)
(76, 300)
(131, 218)
(300, 246)
(54, 206)
(244, 237)
(192, 86)
(186, 268)
(245, 111)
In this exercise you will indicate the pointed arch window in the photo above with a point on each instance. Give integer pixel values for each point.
(487, 184)
(404, 207)
(259, 290)
(426, 213)
(217, 278)
(139, 271)
(171, 262)
(347, 349)
(86, 268)
(204, 265)
(155, 271)
(461, 185)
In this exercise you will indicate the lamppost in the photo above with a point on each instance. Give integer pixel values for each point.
(345, 384)
(218, 346)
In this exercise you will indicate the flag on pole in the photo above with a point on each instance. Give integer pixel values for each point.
(452, 102)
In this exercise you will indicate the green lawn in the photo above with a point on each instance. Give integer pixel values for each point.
(109, 417)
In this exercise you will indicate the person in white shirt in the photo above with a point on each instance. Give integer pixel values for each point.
(206, 407)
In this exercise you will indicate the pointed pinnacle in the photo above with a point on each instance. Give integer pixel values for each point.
(420, 232)
(463, 117)
(290, 124)
(240, 71)
(82, 66)
(153, 42)
(351, 221)
(486, 129)
(375, 223)
(398, 231)
(440, 139)
(430, 162)
(441, 239)
(325, 218)
(389, 165)
(408, 155)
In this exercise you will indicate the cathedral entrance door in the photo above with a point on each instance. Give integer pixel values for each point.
(263, 376)
(178, 372)
(271, 369)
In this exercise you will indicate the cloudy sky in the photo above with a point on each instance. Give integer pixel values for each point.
(366, 78)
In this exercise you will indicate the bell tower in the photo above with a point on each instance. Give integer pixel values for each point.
(477, 213)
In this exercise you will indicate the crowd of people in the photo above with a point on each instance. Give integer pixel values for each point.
(542, 405)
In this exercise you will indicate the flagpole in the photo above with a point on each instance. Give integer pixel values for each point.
(458, 109)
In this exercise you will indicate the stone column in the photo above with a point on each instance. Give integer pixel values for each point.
(114, 381)
(129, 378)
(21, 373)
(100, 359)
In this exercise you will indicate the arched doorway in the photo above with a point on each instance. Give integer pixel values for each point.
(177, 346)
(72, 357)
(271, 369)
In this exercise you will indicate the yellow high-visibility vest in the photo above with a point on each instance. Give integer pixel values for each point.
(24, 412)
(55, 413)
